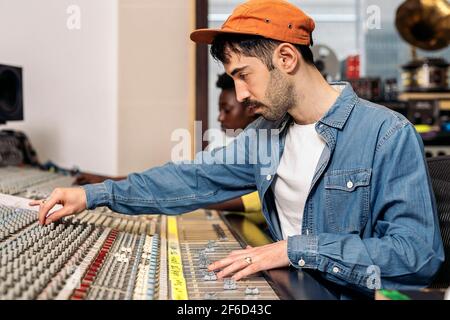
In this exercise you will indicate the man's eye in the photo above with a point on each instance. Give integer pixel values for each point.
(242, 76)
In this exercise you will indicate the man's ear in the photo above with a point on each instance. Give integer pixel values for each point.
(287, 58)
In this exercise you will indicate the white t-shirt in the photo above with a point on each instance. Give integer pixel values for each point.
(302, 151)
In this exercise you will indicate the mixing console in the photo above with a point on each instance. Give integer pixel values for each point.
(31, 183)
(204, 238)
(103, 255)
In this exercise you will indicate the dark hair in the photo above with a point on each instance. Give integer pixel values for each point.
(253, 46)
(225, 82)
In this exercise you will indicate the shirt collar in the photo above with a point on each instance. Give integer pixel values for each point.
(339, 112)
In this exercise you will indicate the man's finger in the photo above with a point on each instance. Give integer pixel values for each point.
(35, 203)
(45, 209)
(232, 268)
(55, 216)
(251, 269)
(220, 264)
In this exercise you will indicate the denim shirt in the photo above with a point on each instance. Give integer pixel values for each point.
(370, 217)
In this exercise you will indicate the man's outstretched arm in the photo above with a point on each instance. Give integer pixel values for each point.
(213, 177)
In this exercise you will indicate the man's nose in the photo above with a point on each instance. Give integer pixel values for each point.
(241, 92)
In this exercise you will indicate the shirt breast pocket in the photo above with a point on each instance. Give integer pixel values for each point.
(347, 199)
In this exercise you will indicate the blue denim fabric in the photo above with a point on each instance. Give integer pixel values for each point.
(370, 202)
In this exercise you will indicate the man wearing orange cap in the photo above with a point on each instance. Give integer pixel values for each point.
(346, 190)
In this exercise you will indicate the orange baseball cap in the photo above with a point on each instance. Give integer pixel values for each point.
(273, 19)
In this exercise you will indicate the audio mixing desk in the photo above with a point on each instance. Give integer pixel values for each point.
(96, 255)
(103, 255)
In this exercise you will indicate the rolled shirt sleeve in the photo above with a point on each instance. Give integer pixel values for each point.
(177, 188)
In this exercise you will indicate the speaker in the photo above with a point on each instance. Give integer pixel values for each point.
(11, 93)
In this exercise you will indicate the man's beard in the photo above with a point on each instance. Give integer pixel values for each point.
(280, 96)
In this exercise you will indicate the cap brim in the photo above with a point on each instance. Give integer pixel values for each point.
(204, 35)
(207, 35)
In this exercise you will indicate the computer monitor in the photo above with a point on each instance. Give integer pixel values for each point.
(11, 94)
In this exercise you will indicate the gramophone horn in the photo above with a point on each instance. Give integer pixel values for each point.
(424, 23)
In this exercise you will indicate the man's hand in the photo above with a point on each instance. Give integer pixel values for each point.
(252, 260)
(73, 201)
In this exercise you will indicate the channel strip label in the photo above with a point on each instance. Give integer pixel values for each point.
(176, 277)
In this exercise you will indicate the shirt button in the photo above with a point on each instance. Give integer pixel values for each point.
(336, 270)
(349, 184)
(301, 263)
(269, 177)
